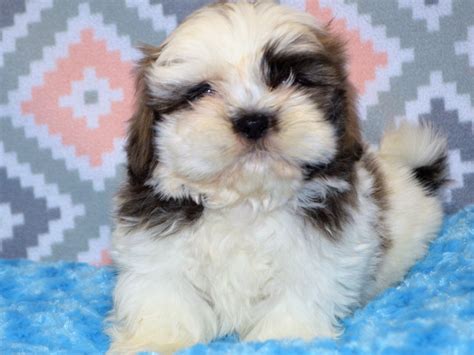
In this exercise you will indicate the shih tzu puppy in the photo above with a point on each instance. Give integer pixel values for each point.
(252, 205)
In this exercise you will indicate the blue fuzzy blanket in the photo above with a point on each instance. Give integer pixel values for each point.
(60, 307)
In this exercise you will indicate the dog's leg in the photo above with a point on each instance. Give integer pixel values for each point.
(158, 312)
(291, 318)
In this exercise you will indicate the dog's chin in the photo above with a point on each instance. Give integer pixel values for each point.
(259, 177)
(267, 154)
(263, 163)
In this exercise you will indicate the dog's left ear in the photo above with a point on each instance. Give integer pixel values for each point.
(139, 147)
(344, 99)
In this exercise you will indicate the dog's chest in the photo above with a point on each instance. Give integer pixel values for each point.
(236, 256)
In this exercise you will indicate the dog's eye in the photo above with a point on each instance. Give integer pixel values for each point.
(292, 78)
(280, 76)
(303, 81)
(302, 70)
(287, 78)
(198, 91)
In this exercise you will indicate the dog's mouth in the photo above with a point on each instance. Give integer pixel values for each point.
(257, 153)
(258, 150)
(262, 151)
(265, 161)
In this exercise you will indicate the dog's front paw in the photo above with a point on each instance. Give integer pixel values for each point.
(153, 314)
(164, 331)
(283, 322)
(162, 341)
(287, 331)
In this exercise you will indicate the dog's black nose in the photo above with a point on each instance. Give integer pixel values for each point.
(253, 126)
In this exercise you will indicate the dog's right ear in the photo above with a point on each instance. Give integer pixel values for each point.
(139, 146)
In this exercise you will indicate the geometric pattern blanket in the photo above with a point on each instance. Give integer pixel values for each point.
(60, 307)
(66, 92)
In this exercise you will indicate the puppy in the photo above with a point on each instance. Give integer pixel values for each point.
(252, 205)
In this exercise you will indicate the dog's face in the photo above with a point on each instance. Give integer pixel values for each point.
(241, 101)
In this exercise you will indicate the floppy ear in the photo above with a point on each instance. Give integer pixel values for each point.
(344, 99)
(139, 147)
(340, 108)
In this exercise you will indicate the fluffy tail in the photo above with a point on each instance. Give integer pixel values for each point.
(422, 149)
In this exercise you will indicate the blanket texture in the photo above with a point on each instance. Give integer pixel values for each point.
(60, 307)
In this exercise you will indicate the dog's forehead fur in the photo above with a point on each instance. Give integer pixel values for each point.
(240, 30)
(233, 36)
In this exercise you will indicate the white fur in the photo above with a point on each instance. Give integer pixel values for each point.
(412, 146)
(267, 274)
(252, 263)
(414, 218)
(264, 273)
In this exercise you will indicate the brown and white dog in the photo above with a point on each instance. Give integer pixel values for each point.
(252, 205)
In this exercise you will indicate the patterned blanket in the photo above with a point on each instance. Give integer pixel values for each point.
(66, 92)
(60, 307)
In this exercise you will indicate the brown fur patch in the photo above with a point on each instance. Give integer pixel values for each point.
(142, 207)
(139, 205)
(433, 176)
(337, 99)
(335, 213)
(339, 104)
(139, 146)
(379, 195)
